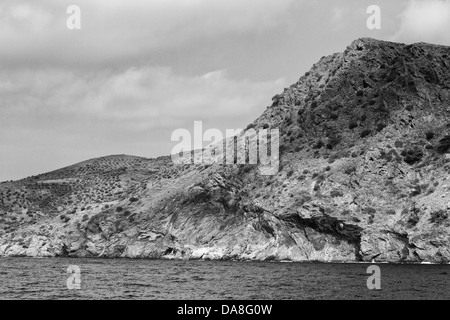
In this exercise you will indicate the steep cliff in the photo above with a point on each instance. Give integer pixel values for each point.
(364, 175)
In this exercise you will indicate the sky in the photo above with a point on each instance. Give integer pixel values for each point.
(138, 70)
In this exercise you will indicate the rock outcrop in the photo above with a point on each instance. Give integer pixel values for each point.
(364, 176)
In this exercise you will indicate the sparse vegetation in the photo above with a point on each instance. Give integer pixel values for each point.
(438, 216)
(412, 156)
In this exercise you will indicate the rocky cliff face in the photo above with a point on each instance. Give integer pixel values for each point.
(364, 175)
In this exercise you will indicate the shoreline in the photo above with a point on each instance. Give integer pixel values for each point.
(235, 260)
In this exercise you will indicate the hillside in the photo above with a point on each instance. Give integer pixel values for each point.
(364, 175)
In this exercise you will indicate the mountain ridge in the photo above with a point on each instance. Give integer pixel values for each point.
(364, 175)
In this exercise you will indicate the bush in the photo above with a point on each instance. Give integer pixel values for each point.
(333, 142)
(369, 210)
(319, 144)
(134, 199)
(336, 193)
(429, 135)
(350, 170)
(412, 156)
(381, 126)
(438, 216)
(444, 145)
(304, 198)
(414, 218)
(352, 125)
(365, 133)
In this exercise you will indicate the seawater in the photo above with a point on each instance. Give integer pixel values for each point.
(30, 278)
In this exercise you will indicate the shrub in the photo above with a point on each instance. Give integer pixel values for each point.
(352, 125)
(365, 133)
(412, 156)
(336, 193)
(369, 210)
(444, 144)
(319, 144)
(134, 199)
(350, 170)
(381, 126)
(438, 216)
(414, 218)
(429, 135)
(334, 141)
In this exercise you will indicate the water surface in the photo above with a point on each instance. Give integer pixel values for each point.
(28, 278)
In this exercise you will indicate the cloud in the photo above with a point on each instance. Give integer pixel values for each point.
(53, 117)
(146, 98)
(425, 21)
(116, 30)
(135, 71)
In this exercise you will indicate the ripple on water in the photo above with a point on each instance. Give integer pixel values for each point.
(152, 279)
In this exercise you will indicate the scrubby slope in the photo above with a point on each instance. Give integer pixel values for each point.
(364, 175)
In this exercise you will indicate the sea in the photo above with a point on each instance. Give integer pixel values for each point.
(124, 279)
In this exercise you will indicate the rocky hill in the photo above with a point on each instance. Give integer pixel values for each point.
(364, 175)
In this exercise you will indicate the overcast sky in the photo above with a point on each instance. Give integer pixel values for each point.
(137, 70)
